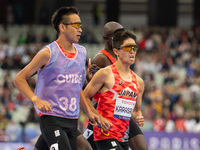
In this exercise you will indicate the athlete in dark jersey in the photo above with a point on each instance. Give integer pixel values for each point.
(105, 58)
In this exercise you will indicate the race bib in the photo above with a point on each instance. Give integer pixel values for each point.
(124, 108)
(87, 133)
(54, 146)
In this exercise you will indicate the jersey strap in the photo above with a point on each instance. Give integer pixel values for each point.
(112, 59)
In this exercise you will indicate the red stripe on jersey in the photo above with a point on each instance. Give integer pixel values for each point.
(110, 57)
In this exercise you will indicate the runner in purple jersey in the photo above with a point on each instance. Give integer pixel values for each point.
(61, 72)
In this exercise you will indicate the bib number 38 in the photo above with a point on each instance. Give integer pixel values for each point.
(68, 104)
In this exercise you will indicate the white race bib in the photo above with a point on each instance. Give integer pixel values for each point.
(124, 108)
(87, 133)
(54, 146)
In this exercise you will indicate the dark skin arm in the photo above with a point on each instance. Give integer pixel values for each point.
(98, 62)
(101, 60)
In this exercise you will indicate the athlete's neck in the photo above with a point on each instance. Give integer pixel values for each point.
(123, 68)
(66, 46)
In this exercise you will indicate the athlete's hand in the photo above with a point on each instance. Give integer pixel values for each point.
(140, 120)
(93, 119)
(42, 105)
(138, 117)
(89, 73)
(105, 124)
(93, 68)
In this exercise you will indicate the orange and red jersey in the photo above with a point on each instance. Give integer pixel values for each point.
(111, 58)
(117, 105)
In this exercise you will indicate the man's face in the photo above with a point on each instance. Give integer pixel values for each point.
(127, 54)
(73, 28)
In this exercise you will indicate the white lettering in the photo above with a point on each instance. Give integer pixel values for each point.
(185, 144)
(176, 143)
(194, 142)
(165, 143)
(68, 104)
(64, 101)
(77, 79)
(153, 143)
(68, 78)
(71, 78)
(60, 78)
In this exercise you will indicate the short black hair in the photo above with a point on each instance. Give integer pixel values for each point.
(121, 36)
(57, 17)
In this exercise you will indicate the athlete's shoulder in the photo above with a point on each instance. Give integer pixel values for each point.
(106, 71)
(101, 60)
(100, 56)
(44, 52)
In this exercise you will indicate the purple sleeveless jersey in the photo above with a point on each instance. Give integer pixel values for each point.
(61, 80)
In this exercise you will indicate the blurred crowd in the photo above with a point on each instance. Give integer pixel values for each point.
(168, 60)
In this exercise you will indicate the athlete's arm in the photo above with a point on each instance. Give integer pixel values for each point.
(137, 113)
(20, 81)
(99, 80)
(94, 118)
(101, 60)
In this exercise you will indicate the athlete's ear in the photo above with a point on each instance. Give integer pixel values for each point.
(116, 51)
(61, 27)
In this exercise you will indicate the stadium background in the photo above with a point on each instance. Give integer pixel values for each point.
(168, 34)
